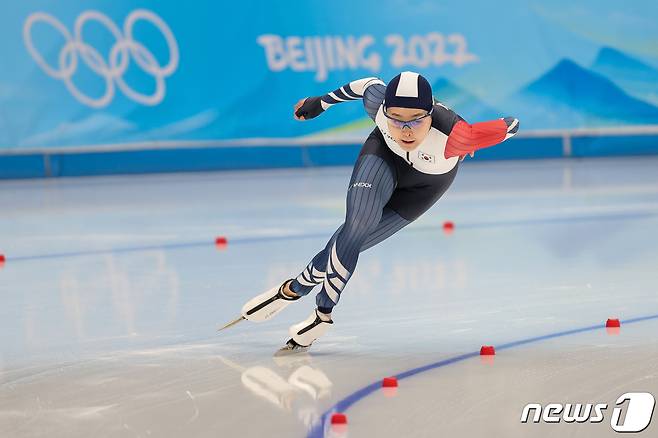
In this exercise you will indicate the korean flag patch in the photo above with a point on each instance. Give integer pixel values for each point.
(426, 157)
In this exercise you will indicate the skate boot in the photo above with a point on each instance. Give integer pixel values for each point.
(267, 304)
(304, 333)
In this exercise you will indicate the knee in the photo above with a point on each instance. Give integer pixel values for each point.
(360, 225)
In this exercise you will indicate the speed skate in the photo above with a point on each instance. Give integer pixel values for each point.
(273, 301)
(264, 306)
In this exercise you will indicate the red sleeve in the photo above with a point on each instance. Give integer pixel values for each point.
(465, 138)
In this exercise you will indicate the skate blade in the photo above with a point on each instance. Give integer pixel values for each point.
(289, 351)
(232, 323)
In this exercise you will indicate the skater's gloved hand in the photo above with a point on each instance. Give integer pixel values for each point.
(308, 108)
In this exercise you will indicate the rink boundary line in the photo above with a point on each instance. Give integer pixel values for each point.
(264, 239)
(324, 424)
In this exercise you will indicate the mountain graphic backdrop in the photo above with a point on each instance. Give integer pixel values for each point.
(632, 75)
(617, 90)
(462, 102)
(571, 96)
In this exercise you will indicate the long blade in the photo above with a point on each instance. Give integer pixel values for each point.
(231, 324)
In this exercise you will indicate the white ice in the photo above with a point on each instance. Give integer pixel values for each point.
(113, 289)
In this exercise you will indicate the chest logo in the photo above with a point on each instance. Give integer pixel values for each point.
(426, 157)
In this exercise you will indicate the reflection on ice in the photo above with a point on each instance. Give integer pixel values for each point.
(291, 393)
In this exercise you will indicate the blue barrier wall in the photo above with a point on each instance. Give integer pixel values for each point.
(39, 165)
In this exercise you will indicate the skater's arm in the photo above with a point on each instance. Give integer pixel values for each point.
(467, 138)
(312, 107)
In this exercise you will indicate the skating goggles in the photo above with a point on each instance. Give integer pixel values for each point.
(415, 123)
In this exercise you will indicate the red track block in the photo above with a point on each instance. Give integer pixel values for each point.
(487, 350)
(390, 382)
(221, 242)
(2, 259)
(612, 323)
(339, 418)
(448, 227)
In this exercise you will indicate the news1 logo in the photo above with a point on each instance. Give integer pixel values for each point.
(638, 412)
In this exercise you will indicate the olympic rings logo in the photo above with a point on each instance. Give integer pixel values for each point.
(111, 69)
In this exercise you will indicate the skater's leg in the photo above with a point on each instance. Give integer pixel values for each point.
(390, 224)
(314, 273)
(370, 189)
(367, 223)
(368, 169)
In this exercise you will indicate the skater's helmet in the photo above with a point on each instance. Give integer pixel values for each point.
(409, 90)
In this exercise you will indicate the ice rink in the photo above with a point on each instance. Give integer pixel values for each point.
(113, 288)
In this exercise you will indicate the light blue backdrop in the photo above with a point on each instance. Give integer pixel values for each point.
(105, 73)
